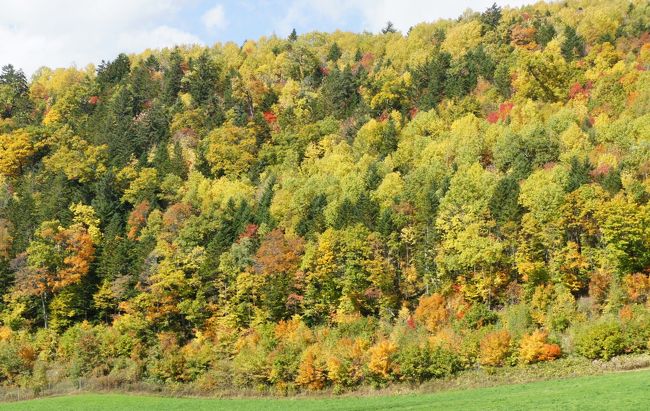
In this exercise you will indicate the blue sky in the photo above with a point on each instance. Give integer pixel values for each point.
(58, 33)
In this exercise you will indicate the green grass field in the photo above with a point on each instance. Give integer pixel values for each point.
(617, 391)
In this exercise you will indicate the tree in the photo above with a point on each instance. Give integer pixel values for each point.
(110, 73)
(172, 77)
(16, 149)
(230, 150)
(14, 101)
(58, 257)
(545, 32)
(340, 92)
(76, 158)
(543, 74)
(203, 80)
(293, 36)
(463, 73)
(468, 246)
(334, 53)
(491, 17)
(277, 261)
(624, 230)
(389, 28)
(345, 275)
(502, 79)
(573, 45)
(430, 79)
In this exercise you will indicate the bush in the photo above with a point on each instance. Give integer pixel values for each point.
(421, 363)
(79, 349)
(199, 355)
(479, 315)
(292, 338)
(382, 364)
(562, 310)
(166, 362)
(431, 312)
(637, 287)
(250, 365)
(17, 357)
(636, 328)
(312, 372)
(602, 340)
(535, 348)
(517, 320)
(494, 348)
(345, 365)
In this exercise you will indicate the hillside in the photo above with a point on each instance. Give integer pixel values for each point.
(331, 210)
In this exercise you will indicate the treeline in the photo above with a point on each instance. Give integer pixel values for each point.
(329, 210)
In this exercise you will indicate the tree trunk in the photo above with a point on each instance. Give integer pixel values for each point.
(44, 310)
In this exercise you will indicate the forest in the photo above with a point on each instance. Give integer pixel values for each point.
(331, 210)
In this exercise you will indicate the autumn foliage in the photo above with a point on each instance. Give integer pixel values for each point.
(495, 347)
(535, 348)
(328, 211)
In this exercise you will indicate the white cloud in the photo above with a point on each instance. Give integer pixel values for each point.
(375, 13)
(158, 37)
(407, 13)
(215, 18)
(59, 33)
(65, 32)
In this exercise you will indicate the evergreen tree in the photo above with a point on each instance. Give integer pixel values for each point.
(172, 77)
(14, 94)
(293, 36)
(203, 80)
(389, 28)
(491, 17)
(110, 73)
(573, 46)
(340, 92)
(334, 53)
(430, 79)
(579, 173)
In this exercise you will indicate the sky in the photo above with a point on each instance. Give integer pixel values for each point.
(61, 33)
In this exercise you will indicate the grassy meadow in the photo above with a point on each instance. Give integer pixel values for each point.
(615, 391)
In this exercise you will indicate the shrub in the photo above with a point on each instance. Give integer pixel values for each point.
(598, 286)
(535, 348)
(79, 349)
(479, 315)
(250, 364)
(419, 363)
(602, 340)
(562, 309)
(517, 320)
(382, 363)
(284, 362)
(312, 371)
(292, 337)
(469, 346)
(494, 348)
(166, 361)
(345, 367)
(199, 356)
(431, 312)
(637, 287)
(636, 328)
(17, 357)
(540, 303)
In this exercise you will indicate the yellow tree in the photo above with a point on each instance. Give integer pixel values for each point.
(543, 75)
(58, 257)
(230, 150)
(16, 149)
